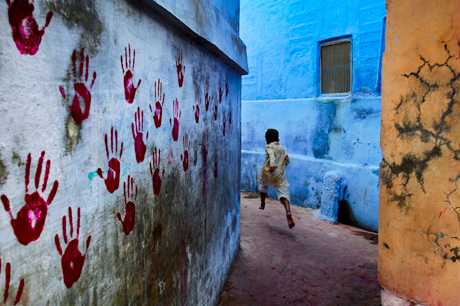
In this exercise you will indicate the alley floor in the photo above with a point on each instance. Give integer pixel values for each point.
(315, 263)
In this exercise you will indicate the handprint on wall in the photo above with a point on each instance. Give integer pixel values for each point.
(137, 128)
(113, 176)
(214, 167)
(7, 284)
(214, 98)
(174, 122)
(196, 108)
(226, 86)
(26, 34)
(155, 172)
(180, 67)
(72, 260)
(130, 208)
(31, 218)
(184, 157)
(204, 151)
(128, 69)
(81, 103)
(207, 96)
(159, 101)
(221, 89)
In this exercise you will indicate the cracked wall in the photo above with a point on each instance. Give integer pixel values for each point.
(419, 214)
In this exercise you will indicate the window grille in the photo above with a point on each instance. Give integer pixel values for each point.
(336, 67)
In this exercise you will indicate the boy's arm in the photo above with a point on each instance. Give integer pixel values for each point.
(271, 156)
(286, 160)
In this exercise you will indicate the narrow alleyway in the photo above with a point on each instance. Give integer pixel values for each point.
(315, 263)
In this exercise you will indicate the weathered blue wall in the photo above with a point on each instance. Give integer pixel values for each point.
(320, 132)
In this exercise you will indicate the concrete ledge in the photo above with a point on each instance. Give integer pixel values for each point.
(206, 24)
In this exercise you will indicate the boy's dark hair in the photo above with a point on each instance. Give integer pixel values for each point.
(271, 135)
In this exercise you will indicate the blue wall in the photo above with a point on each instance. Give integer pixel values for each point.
(320, 132)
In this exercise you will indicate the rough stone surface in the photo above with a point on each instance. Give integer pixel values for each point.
(321, 133)
(333, 189)
(419, 220)
(151, 244)
(315, 263)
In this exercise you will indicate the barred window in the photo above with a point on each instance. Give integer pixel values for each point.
(336, 67)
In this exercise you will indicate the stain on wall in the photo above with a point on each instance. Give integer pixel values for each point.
(419, 214)
(124, 208)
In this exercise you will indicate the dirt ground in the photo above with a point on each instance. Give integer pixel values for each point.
(315, 263)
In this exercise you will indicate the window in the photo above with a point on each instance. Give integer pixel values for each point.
(336, 67)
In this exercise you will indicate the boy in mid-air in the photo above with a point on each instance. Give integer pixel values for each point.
(273, 173)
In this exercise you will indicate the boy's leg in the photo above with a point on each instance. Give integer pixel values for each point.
(263, 188)
(285, 202)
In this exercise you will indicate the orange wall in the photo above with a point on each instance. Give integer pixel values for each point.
(419, 214)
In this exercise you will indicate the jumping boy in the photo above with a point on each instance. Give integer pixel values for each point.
(273, 173)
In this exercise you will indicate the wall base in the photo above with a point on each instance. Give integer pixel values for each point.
(391, 299)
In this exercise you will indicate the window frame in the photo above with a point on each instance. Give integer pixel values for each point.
(330, 42)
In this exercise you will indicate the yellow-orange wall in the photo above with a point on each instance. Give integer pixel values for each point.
(419, 214)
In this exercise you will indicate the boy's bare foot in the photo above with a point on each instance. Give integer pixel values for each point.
(290, 221)
(262, 206)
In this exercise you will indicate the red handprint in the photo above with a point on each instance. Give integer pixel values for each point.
(156, 179)
(138, 127)
(184, 157)
(214, 168)
(82, 97)
(25, 30)
(207, 96)
(159, 101)
(223, 123)
(7, 284)
(215, 106)
(204, 151)
(174, 122)
(180, 67)
(221, 89)
(113, 176)
(72, 260)
(30, 220)
(196, 108)
(130, 208)
(130, 90)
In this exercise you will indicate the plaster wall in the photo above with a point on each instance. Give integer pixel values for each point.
(321, 133)
(116, 196)
(419, 213)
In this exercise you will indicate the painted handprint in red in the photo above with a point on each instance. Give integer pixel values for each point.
(7, 284)
(196, 108)
(72, 260)
(159, 101)
(184, 157)
(81, 103)
(130, 208)
(221, 89)
(30, 220)
(174, 122)
(214, 167)
(204, 151)
(128, 67)
(113, 176)
(155, 172)
(207, 96)
(180, 67)
(137, 128)
(26, 34)
(215, 105)
(223, 123)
